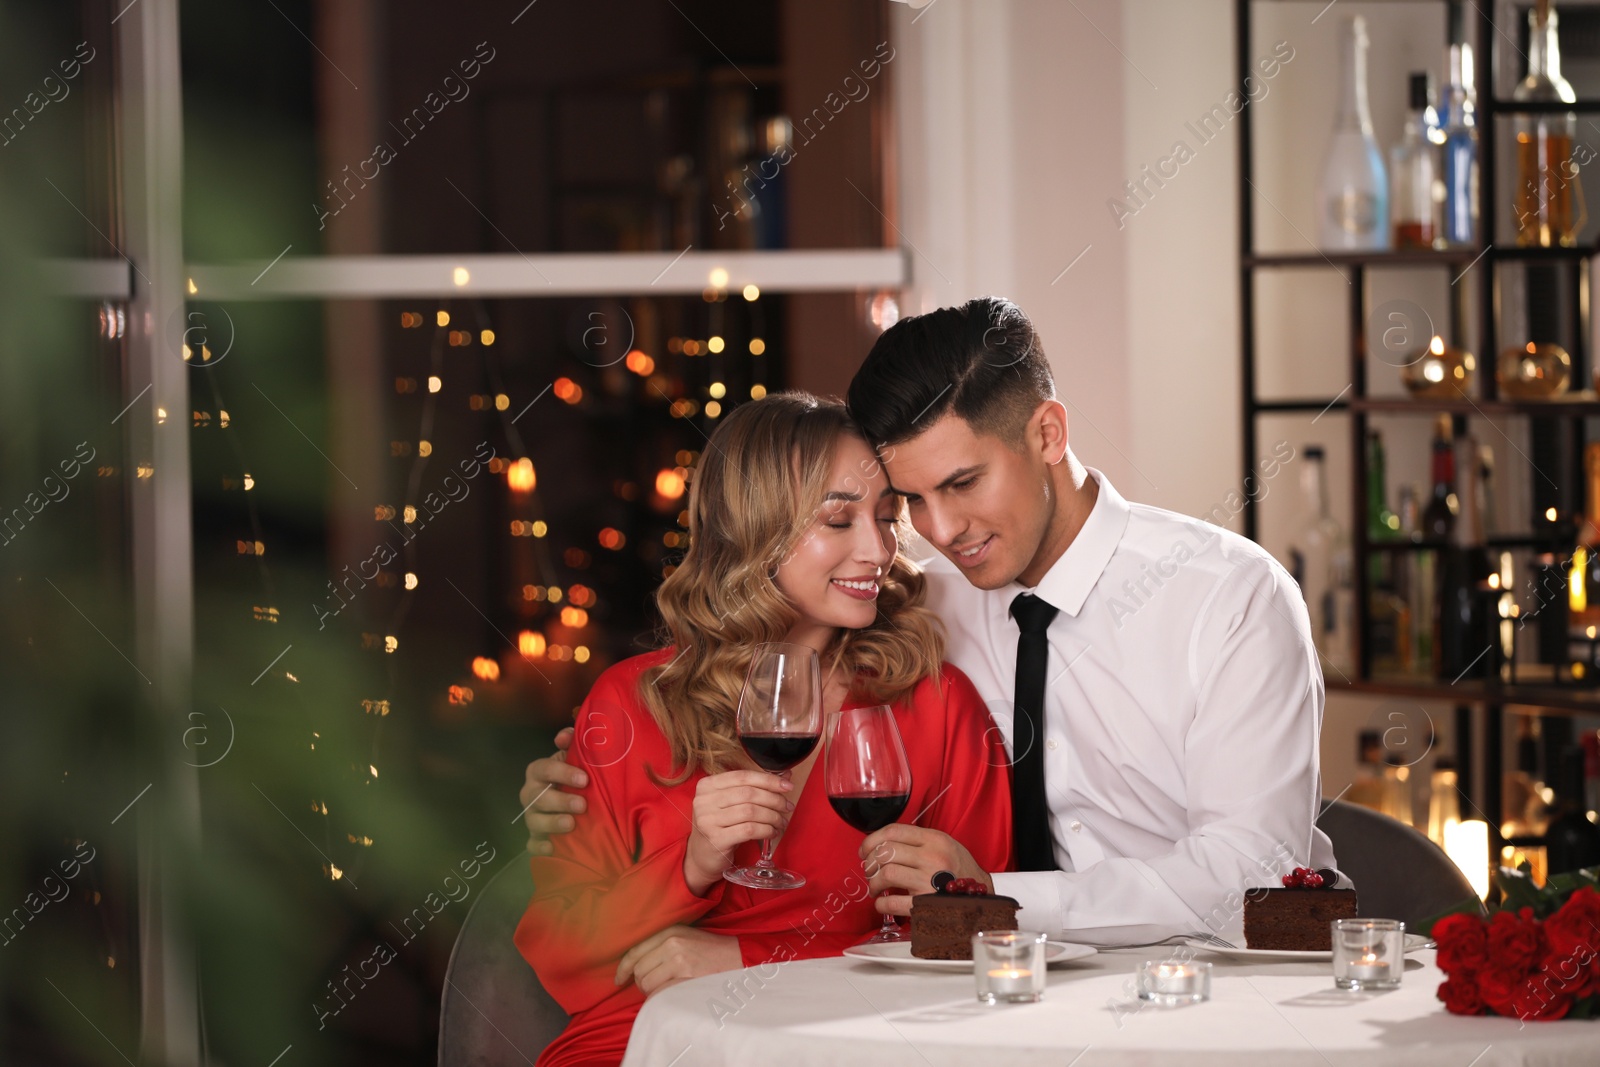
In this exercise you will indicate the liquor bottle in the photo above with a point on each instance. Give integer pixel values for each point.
(1583, 576)
(1439, 517)
(1444, 799)
(1522, 793)
(1549, 204)
(1389, 626)
(1355, 190)
(1382, 524)
(1414, 171)
(1368, 787)
(1571, 841)
(1397, 788)
(1468, 601)
(1590, 741)
(1320, 561)
(1460, 215)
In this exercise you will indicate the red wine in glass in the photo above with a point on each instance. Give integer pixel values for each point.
(778, 752)
(869, 811)
(869, 778)
(780, 721)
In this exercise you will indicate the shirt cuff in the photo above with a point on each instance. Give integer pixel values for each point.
(1039, 894)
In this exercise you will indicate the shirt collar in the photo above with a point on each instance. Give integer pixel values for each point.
(1067, 583)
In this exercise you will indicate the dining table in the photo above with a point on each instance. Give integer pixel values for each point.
(845, 1012)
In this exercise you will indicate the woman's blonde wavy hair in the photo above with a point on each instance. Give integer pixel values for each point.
(756, 492)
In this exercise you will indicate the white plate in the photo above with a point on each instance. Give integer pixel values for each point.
(897, 954)
(1413, 943)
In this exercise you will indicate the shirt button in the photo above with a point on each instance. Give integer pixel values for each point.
(1052, 744)
(1075, 826)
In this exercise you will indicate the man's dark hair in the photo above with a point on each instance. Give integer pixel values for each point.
(982, 361)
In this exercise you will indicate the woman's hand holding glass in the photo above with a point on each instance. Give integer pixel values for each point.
(729, 809)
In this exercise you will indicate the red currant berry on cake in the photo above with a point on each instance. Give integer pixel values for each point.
(1288, 881)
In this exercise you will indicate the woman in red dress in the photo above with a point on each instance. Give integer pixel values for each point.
(792, 529)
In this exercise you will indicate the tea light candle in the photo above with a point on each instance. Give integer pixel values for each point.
(1368, 953)
(1008, 966)
(1174, 982)
(1368, 968)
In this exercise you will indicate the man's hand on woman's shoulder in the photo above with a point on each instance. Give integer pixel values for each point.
(546, 809)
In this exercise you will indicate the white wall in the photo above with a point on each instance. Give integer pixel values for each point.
(1018, 120)
(1010, 133)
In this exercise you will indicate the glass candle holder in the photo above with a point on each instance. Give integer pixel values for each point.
(1534, 371)
(1170, 983)
(1008, 966)
(1368, 953)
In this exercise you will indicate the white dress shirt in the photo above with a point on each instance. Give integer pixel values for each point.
(1183, 709)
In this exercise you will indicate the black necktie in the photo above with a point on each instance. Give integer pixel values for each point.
(1030, 810)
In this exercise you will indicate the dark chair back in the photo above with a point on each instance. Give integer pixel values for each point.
(1398, 872)
(494, 1012)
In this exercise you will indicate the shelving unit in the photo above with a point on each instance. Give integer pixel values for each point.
(1480, 705)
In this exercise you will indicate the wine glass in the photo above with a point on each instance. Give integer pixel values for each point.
(869, 779)
(780, 721)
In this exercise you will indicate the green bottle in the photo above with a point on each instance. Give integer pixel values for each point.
(1382, 524)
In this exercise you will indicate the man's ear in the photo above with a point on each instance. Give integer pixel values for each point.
(1050, 424)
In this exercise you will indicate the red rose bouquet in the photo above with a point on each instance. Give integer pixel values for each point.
(1537, 956)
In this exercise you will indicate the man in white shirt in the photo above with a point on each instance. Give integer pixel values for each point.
(1153, 675)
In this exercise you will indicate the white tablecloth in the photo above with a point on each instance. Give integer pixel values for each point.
(843, 1013)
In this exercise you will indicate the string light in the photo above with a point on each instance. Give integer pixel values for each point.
(442, 318)
(486, 337)
(715, 345)
(460, 276)
(751, 293)
(757, 346)
(670, 483)
(520, 476)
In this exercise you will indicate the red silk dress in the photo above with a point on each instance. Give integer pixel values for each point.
(618, 878)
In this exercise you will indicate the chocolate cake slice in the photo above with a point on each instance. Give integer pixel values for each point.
(942, 924)
(1298, 917)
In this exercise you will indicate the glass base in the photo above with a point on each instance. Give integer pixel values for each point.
(764, 877)
(1010, 998)
(1366, 985)
(1173, 1000)
(888, 935)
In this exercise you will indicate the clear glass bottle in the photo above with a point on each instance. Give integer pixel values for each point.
(1444, 799)
(1354, 213)
(1414, 170)
(1548, 205)
(1459, 221)
(1397, 791)
(1320, 561)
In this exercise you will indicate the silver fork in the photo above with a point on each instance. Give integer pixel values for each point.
(1212, 939)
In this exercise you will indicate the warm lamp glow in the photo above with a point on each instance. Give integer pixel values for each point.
(568, 390)
(531, 644)
(718, 278)
(1467, 843)
(520, 476)
(669, 483)
(486, 668)
(640, 363)
(460, 276)
(574, 617)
